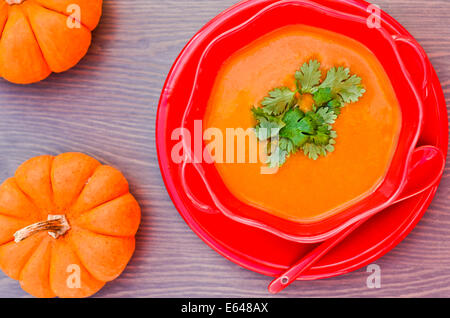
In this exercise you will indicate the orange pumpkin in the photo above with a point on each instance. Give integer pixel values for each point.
(67, 225)
(43, 36)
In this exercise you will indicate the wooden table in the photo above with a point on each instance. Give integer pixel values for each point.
(106, 107)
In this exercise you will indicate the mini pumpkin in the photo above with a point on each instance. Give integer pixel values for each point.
(43, 36)
(67, 225)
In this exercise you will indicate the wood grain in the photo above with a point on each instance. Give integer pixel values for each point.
(106, 107)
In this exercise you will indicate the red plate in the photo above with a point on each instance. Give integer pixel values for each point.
(259, 250)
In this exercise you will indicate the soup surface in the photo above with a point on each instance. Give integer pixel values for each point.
(306, 190)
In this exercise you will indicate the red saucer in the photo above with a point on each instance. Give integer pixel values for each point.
(259, 250)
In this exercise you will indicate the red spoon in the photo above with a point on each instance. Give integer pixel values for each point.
(427, 166)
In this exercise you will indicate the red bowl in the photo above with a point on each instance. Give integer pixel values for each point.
(217, 198)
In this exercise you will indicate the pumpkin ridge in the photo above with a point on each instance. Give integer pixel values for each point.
(33, 214)
(77, 226)
(69, 210)
(34, 35)
(2, 27)
(50, 256)
(13, 216)
(11, 238)
(44, 240)
(75, 197)
(95, 207)
(39, 209)
(125, 207)
(75, 219)
(43, 212)
(59, 12)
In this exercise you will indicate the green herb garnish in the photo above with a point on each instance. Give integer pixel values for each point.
(288, 129)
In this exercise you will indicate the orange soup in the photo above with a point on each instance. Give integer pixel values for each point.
(306, 190)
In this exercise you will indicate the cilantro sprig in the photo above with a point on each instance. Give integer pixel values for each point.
(288, 130)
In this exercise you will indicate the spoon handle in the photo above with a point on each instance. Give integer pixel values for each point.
(283, 281)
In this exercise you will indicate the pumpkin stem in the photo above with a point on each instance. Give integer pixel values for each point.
(56, 225)
(11, 2)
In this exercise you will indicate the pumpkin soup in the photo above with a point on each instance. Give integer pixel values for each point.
(366, 130)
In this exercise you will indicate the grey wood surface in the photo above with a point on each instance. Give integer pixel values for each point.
(106, 107)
